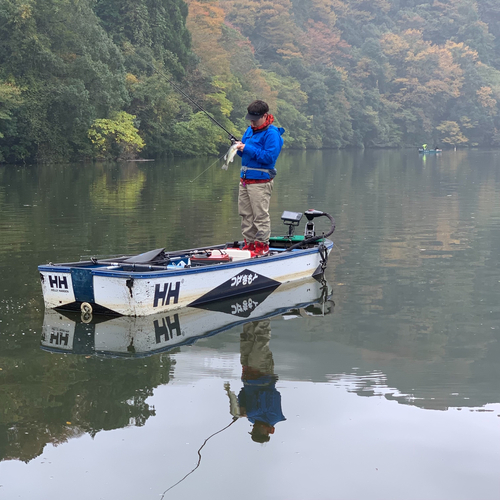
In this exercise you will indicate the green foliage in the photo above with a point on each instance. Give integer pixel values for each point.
(9, 101)
(69, 73)
(116, 137)
(198, 136)
(155, 44)
(159, 26)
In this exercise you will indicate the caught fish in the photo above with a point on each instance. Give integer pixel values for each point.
(229, 156)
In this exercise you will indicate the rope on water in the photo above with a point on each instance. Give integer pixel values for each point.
(199, 456)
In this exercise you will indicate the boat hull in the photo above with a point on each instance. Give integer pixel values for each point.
(107, 289)
(146, 335)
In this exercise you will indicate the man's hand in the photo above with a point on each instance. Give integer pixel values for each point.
(240, 146)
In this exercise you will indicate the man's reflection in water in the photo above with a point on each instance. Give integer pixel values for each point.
(258, 400)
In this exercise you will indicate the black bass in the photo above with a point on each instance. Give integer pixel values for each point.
(229, 156)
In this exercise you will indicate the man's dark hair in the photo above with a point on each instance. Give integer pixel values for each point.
(258, 108)
(260, 432)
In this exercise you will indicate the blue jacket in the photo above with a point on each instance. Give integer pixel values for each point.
(261, 402)
(261, 151)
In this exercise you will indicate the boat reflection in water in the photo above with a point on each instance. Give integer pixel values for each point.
(143, 336)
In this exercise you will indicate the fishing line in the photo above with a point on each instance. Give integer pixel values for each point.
(232, 138)
(208, 167)
(199, 455)
(338, 248)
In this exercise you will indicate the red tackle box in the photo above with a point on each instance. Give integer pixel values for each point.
(210, 257)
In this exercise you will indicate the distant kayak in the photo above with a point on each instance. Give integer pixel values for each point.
(426, 151)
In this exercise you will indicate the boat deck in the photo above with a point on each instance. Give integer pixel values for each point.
(158, 260)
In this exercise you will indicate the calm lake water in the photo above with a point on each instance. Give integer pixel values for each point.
(383, 384)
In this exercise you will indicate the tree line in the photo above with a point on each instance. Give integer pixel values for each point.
(84, 79)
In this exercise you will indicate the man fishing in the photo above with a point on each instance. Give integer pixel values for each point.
(259, 149)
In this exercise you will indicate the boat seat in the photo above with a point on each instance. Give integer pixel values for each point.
(146, 257)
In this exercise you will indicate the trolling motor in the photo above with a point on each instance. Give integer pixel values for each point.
(311, 214)
(292, 220)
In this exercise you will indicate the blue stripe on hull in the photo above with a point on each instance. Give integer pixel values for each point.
(83, 285)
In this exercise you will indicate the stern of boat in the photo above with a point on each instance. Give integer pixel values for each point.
(57, 287)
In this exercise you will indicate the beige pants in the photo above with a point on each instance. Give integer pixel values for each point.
(255, 354)
(253, 206)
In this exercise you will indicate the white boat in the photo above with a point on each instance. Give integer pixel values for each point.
(80, 333)
(158, 281)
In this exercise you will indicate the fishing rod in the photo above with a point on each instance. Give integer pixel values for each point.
(232, 138)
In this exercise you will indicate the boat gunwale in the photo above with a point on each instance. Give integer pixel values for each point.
(283, 255)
